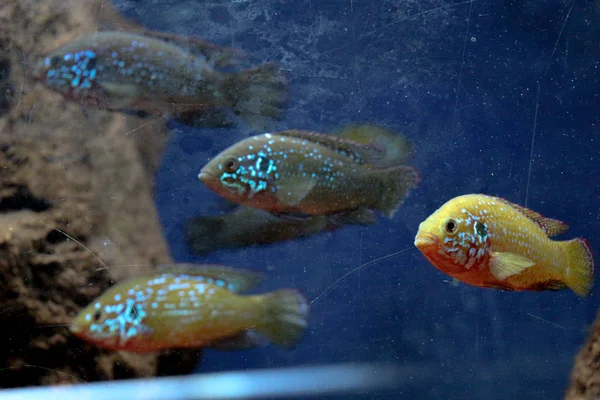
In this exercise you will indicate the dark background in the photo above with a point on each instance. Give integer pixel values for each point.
(461, 79)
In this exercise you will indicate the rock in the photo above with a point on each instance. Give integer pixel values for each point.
(76, 207)
(585, 377)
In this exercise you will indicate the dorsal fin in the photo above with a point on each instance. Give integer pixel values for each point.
(360, 153)
(110, 19)
(221, 56)
(552, 227)
(237, 280)
(398, 149)
(217, 55)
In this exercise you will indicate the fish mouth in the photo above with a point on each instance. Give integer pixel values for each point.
(204, 176)
(37, 73)
(75, 329)
(39, 69)
(424, 240)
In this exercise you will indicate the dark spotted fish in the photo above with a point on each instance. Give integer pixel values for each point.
(490, 242)
(303, 173)
(188, 306)
(126, 72)
(246, 226)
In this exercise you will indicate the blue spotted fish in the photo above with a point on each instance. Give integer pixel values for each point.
(190, 306)
(126, 72)
(301, 173)
(247, 226)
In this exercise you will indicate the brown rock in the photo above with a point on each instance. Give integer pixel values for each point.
(585, 377)
(76, 207)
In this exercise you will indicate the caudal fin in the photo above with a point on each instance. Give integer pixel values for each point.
(258, 95)
(396, 182)
(580, 269)
(285, 317)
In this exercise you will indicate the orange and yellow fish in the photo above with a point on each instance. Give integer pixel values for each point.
(189, 306)
(490, 242)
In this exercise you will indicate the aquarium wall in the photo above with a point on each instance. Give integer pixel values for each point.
(421, 101)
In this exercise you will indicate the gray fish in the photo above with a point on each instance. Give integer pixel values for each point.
(122, 71)
(246, 226)
(243, 226)
(306, 173)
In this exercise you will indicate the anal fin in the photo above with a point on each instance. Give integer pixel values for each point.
(553, 285)
(361, 216)
(208, 117)
(498, 286)
(247, 339)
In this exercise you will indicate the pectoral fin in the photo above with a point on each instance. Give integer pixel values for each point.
(293, 192)
(119, 90)
(503, 265)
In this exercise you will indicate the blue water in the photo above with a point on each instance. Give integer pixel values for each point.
(463, 80)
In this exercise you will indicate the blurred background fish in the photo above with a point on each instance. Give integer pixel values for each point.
(192, 305)
(246, 226)
(154, 74)
(490, 242)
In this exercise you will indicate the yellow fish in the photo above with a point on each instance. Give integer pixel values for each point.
(187, 305)
(490, 242)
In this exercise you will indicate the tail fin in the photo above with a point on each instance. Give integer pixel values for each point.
(580, 270)
(258, 95)
(285, 318)
(202, 234)
(396, 183)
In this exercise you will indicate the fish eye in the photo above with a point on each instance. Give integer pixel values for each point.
(54, 61)
(97, 315)
(231, 165)
(450, 226)
(91, 63)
